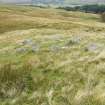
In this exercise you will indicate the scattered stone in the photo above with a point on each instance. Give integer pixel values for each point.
(21, 50)
(34, 48)
(76, 39)
(27, 42)
(93, 47)
(73, 41)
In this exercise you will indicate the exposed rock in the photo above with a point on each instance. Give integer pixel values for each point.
(21, 50)
(27, 42)
(73, 41)
(93, 47)
(34, 48)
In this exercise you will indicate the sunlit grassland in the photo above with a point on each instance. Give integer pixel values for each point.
(51, 57)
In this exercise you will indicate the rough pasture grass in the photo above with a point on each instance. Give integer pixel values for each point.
(67, 69)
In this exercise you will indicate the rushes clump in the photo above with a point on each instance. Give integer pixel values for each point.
(13, 81)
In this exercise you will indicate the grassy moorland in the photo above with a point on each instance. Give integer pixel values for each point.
(51, 57)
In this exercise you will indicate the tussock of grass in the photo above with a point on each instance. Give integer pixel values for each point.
(14, 81)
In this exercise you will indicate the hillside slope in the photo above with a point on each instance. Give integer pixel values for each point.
(56, 2)
(51, 57)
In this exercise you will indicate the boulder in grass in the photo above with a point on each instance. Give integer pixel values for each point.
(27, 42)
(21, 50)
(73, 41)
(92, 47)
(34, 48)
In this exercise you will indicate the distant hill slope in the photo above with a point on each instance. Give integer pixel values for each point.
(57, 2)
(91, 1)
